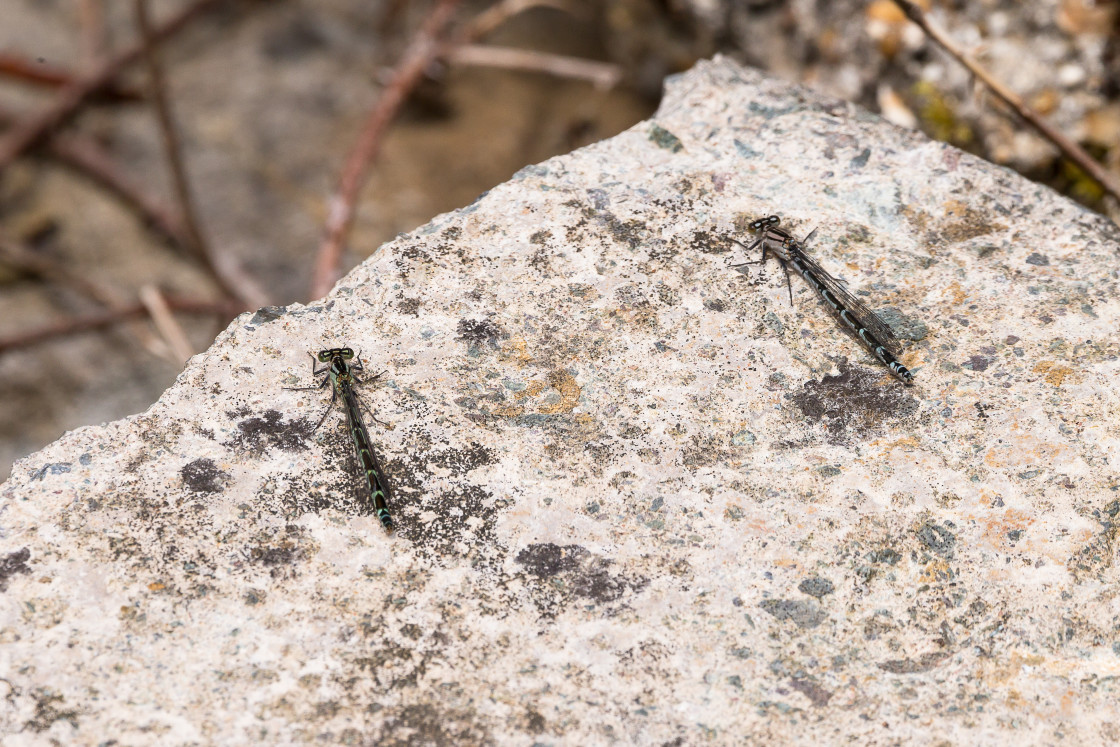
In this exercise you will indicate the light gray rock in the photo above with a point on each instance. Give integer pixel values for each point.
(640, 497)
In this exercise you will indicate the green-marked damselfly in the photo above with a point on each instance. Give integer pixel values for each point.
(340, 374)
(865, 323)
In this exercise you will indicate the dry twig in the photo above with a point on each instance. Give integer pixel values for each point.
(173, 152)
(1068, 147)
(602, 75)
(32, 130)
(423, 48)
(76, 325)
(44, 74)
(169, 329)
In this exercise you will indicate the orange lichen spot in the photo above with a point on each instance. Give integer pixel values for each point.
(1055, 373)
(565, 383)
(997, 528)
(156, 586)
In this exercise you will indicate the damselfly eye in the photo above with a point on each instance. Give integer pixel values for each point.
(324, 356)
(346, 353)
(774, 220)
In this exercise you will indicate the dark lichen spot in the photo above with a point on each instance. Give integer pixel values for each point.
(584, 574)
(410, 306)
(424, 724)
(852, 401)
(914, 666)
(461, 461)
(861, 160)
(977, 363)
(49, 709)
(203, 476)
(715, 304)
(804, 614)
(816, 694)
(547, 559)
(534, 722)
(816, 587)
(937, 539)
(708, 243)
(479, 332)
(55, 468)
(665, 139)
(886, 555)
(13, 563)
(267, 314)
(269, 431)
(745, 150)
(1037, 259)
(278, 553)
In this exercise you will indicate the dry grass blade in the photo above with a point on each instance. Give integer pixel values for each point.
(100, 320)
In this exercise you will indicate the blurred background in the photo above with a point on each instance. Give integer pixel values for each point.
(118, 259)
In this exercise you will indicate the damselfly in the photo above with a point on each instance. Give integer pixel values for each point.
(867, 326)
(340, 375)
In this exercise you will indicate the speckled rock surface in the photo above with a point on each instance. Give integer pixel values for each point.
(640, 496)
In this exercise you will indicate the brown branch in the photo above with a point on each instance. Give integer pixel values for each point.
(422, 50)
(32, 130)
(173, 152)
(108, 318)
(1068, 147)
(52, 76)
(82, 154)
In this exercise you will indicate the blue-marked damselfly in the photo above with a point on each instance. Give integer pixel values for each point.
(862, 321)
(339, 373)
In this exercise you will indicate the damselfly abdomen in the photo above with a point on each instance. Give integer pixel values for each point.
(340, 373)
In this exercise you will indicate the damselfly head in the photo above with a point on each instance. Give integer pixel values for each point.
(770, 220)
(346, 353)
(324, 356)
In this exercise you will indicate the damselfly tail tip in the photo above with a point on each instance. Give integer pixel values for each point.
(386, 520)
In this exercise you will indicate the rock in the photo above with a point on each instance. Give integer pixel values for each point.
(639, 496)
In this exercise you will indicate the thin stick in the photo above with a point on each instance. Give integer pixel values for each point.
(173, 152)
(423, 48)
(88, 158)
(168, 328)
(52, 76)
(1069, 148)
(32, 130)
(602, 75)
(98, 320)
